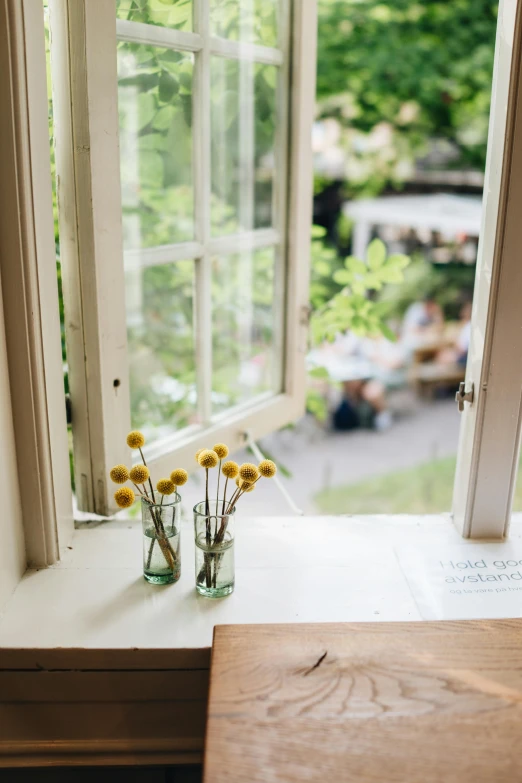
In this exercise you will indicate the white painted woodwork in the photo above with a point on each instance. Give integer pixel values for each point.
(202, 189)
(241, 50)
(12, 551)
(288, 569)
(490, 433)
(30, 292)
(84, 44)
(303, 68)
(156, 35)
(87, 646)
(181, 40)
(87, 162)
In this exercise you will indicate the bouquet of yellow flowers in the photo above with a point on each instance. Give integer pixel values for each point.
(213, 517)
(160, 513)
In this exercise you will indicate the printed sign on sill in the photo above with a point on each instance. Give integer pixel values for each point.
(465, 581)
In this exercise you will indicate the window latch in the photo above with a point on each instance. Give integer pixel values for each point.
(463, 396)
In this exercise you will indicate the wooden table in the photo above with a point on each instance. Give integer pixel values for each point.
(425, 702)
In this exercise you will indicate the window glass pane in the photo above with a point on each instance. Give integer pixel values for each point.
(254, 21)
(165, 13)
(155, 106)
(243, 119)
(245, 335)
(160, 332)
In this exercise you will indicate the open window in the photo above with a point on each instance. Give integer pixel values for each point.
(184, 171)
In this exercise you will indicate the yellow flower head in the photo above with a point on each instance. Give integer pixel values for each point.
(248, 472)
(124, 497)
(245, 486)
(139, 474)
(165, 487)
(135, 439)
(179, 477)
(208, 458)
(221, 450)
(230, 469)
(267, 468)
(119, 474)
(198, 452)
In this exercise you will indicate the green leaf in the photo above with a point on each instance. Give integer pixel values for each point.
(168, 87)
(355, 265)
(320, 373)
(163, 118)
(390, 274)
(343, 277)
(376, 254)
(398, 260)
(146, 109)
(387, 332)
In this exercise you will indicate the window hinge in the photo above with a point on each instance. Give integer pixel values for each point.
(464, 395)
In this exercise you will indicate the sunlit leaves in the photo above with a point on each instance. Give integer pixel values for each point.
(166, 13)
(422, 69)
(244, 337)
(233, 155)
(255, 22)
(155, 106)
(168, 87)
(352, 308)
(376, 254)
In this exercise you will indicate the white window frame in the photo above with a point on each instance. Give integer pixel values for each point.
(87, 160)
(29, 287)
(489, 443)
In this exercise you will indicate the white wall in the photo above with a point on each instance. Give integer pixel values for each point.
(12, 546)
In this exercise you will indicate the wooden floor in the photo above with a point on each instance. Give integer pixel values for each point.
(380, 702)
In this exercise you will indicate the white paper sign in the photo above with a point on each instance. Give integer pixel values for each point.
(467, 581)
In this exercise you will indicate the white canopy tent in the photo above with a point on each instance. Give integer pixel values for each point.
(447, 213)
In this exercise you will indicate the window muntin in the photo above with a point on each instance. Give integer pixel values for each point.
(202, 159)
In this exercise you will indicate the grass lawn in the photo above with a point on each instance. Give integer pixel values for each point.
(424, 489)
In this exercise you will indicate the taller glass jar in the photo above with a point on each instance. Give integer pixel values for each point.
(214, 539)
(161, 540)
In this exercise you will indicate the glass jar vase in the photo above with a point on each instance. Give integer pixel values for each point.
(214, 539)
(161, 540)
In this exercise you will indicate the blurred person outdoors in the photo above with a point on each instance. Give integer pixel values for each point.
(458, 352)
(366, 368)
(423, 321)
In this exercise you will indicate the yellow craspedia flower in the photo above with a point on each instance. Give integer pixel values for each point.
(267, 468)
(139, 474)
(179, 477)
(221, 450)
(245, 486)
(124, 497)
(230, 469)
(135, 439)
(248, 472)
(119, 474)
(208, 458)
(198, 452)
(165, 486)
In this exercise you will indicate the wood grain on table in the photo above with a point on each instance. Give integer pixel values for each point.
(379, 702)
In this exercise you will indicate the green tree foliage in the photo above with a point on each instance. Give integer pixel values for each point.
(422, 66)
(353, 307)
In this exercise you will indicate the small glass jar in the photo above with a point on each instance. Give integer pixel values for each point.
(161, 539)
(214, 539)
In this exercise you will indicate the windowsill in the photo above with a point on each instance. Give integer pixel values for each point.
(308, 569)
